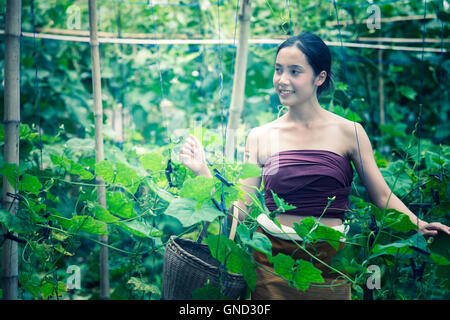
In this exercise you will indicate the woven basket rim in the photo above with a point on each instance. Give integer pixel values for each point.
(173, 244)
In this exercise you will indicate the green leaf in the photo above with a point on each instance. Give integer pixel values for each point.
(59, 236)
(184, 210)
(249, 170)
(407, 92)
(281, 203)
(306, 274)
(283, 265)
(77, 145)
(235, 259)
(440, 260)
(152, 162)
(311, 230)
(303, 229)
(11, 172)
(258, 205)
(30, 282)
(60, 249)
(5, 218)
(82, 223)
(328, 234)
(140, 229)
(71, 166)
(49, 289)
(105, 170)
(102, 214)
(346, 113)
(163, 194)
(141, 285)
(394, 129)
(78, 169)
(395, 220)
(402, 246)
(208, 292)
(231, 194)
(127, 177)
(256, 240)
(119, 205)
(199, 188)
(30, 183)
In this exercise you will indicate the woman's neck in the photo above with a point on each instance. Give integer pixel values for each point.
(305, 114)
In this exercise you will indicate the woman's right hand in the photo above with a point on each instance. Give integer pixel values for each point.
(192, 156)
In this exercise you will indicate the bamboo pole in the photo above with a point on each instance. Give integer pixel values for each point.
(103, 34)
(11, 122)
(99, 153)
(85, 33)
(238, 93)
(271, 41)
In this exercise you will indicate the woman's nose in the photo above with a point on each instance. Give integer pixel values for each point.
(283, 78)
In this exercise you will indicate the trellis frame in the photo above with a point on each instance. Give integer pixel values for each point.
(267, 41)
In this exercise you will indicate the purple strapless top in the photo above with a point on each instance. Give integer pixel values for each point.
(306, 178)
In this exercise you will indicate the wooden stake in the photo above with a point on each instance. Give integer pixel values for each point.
(11, 121)
(99, 153)
(238, 94)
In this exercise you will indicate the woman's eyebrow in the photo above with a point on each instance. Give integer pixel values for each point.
(292, 66)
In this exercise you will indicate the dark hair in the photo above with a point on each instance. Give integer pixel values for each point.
(317, 53)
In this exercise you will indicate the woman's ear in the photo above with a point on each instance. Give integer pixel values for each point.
(320, 78)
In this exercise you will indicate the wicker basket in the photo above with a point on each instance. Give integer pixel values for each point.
(189, 265)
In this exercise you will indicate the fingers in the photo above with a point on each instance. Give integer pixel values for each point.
(192, 150)
(433, 228)
(194, 139)
(190, 145)
(440, 227)
(430, 233)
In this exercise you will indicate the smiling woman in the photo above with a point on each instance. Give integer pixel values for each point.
(315, 56)
(307, 156)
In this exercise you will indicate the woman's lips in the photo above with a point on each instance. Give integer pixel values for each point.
(285, 93)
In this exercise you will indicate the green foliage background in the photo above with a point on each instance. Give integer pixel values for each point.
(196, 80)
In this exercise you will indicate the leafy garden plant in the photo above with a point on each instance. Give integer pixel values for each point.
(59, 221)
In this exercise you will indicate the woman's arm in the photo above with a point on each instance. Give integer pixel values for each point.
(379, 192)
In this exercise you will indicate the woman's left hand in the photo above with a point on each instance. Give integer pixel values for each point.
(432, 228)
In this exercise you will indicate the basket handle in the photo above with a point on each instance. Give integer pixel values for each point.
(234, 222)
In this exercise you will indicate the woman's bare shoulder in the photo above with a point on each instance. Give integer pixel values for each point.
(351, 133)
(345, 125)
(257, 140)
(261, 131)
(347, 131)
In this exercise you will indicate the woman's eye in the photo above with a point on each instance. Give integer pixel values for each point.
(295, 72)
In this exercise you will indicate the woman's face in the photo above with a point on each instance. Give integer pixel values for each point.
(294, 78)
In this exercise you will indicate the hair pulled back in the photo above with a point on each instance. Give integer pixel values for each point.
(317, 54)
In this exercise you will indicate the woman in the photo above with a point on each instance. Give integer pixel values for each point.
(306, 155)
